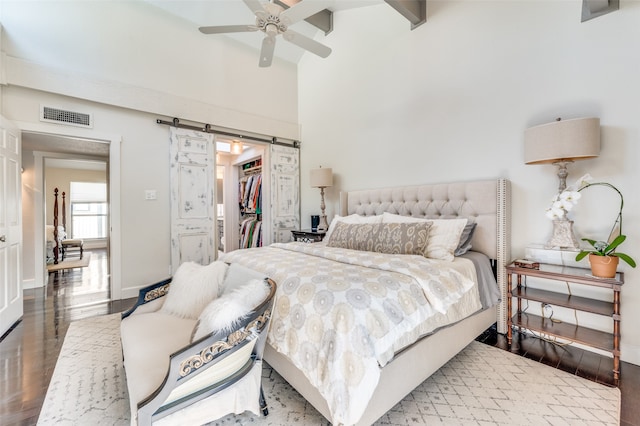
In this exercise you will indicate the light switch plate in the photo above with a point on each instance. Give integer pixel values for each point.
(150, 194)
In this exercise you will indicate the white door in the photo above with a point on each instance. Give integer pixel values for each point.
(10, 226)
(285, 192)
(192, 197)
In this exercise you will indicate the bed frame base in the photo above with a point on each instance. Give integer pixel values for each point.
(395, 383)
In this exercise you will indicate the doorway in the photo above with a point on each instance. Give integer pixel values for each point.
(234, 213)
(82, 220)
(51, 160)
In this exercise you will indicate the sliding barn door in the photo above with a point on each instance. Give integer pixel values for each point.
(10, 226)
(192, 197)
(285, 192)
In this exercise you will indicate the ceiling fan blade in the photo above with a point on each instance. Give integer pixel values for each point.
(220, 29)
(266, 53)
(254, 5)
(307, 43)
(303, 10)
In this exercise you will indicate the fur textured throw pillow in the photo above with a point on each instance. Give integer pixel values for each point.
(225, 312)
(192, 288)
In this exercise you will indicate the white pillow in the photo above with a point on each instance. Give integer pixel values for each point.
(444, 234)
(225, 312)
(192, 288)
(352, 219)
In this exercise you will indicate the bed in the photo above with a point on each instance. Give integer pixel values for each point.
(343, 361)
(57, 243)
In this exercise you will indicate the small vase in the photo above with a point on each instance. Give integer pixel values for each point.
(603, 266)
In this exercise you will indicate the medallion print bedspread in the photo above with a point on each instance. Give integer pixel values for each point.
(339, 312)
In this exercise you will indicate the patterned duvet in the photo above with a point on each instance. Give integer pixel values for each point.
(341, 314)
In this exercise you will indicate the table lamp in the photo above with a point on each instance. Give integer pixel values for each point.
(322, 178)
(560, 143)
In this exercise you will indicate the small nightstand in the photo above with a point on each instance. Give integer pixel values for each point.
(308, 236)
(609, 342)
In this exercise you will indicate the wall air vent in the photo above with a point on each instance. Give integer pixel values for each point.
(61, 116)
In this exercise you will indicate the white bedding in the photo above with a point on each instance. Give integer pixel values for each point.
(342, 314)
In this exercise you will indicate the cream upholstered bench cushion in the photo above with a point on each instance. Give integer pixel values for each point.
(147, 341)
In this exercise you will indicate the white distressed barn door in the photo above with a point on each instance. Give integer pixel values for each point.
(10, 226)
(285, 192)
(192, 197)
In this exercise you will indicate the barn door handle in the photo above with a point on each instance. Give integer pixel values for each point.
(3, 238)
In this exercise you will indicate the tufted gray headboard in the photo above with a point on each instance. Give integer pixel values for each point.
(487, 202)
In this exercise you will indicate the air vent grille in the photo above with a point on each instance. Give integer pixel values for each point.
(61, 116)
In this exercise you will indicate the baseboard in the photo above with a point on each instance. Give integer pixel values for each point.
(30, 284)
(630, 353)
(128, 293)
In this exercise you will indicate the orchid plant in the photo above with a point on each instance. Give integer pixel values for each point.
(562, 204)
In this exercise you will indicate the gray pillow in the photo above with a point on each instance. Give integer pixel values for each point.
(465, 239)
(390, 238)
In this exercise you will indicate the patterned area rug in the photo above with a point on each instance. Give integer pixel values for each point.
(480, 386)
(70, 263)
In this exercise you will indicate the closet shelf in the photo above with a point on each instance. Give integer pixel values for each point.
(251, 170)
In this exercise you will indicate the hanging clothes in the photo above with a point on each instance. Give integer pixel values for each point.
(250, 194)
(250, 233)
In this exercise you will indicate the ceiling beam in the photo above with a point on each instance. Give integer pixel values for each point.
(322, 20)
(594, 8)
(414, 10)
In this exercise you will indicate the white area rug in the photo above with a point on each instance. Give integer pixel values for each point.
(70, 263)
(481, 386)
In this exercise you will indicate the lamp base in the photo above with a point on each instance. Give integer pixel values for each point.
(323, 226)
(563, 236)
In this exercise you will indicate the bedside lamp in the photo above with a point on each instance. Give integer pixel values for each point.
(561, 143)
(322, 178)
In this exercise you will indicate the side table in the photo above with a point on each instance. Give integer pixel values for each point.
(308, 236)
(609, 342)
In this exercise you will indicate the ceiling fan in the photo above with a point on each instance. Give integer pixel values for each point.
(273, 20)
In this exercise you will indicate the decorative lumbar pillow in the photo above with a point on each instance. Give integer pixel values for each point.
(464, 245)
(390, 238)
(444, 234)
(225, 312)
(192, 288)
(352, 218)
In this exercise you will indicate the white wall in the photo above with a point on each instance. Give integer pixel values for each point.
(128, 63)
(450, 101)
(130, 46)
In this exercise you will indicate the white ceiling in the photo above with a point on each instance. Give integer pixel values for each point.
(233, 12)
(63, 144)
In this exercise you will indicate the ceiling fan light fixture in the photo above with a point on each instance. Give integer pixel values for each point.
(273, 20)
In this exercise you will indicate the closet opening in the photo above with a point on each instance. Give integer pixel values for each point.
(240, 194)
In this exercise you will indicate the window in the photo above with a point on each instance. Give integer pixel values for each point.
(89, 210)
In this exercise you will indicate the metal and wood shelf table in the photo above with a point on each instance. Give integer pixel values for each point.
(609, 342)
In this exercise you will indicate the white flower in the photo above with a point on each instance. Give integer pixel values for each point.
(556, 211)
(562, 203)
(570, 197)
(584, 180)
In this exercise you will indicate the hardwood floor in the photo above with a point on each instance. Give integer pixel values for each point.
(29, 352)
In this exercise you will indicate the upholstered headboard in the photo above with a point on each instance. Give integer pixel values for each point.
(487, 202)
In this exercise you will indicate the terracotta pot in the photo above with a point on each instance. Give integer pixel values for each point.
(603, 266)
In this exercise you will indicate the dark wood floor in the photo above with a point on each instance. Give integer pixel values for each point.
(29, 352)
